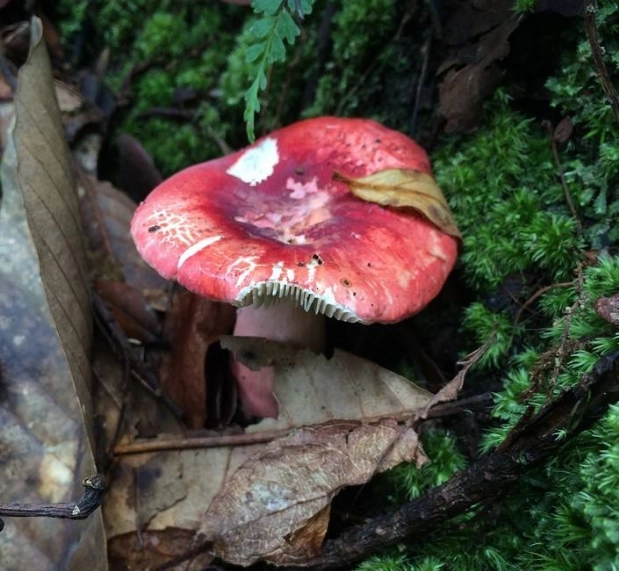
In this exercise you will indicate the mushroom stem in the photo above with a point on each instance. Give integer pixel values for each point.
(281, 321)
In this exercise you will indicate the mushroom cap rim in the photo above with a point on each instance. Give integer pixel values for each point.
(267, 292)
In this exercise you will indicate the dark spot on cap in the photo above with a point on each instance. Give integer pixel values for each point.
(154, 228)
(299, 170)
(316, 258)
(369, 265)
(345, 282)
(300, 264)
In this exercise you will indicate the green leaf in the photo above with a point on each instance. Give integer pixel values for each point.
(266, 46)
(286, 27)
(300, 7)
(278, 50)
(266, 7)
(262, 28)
(255, 52)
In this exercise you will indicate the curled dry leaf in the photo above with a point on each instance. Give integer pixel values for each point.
(151, 549)
(451, 390)
(276, 506)
(405, 188)
(138, 172)
(469, 79)
(107, 214)
(563, 131)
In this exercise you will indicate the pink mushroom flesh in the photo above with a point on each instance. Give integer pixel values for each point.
(270, 221)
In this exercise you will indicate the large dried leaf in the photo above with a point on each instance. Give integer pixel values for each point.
(405, 188)
(275, 507)
(45, 333)
(312, 389)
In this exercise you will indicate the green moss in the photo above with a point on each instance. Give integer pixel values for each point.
(445, 460)
(508, 201)
(504, 186)
(524, 5)
(362, 54)
(179, 45)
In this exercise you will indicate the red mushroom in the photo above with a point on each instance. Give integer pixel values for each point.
(271, 226)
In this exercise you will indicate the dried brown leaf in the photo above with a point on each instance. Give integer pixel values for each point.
(280, 492)
(463, 88)
(563, 131)
(451, 390)
(203, 475)
(134, 315)
(107, 213)
(45, 334)
(405, 188)
(312, 389)
(472, 18)
(138, 173)
(151, 549)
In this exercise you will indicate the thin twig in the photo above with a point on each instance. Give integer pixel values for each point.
(537, 294)
(566, 188)
(425, 57)
(245, 439)
(597, 51)
(79, 509)
(120, 345)
(190, 443)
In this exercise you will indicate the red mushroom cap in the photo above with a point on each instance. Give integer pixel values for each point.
(270, 221)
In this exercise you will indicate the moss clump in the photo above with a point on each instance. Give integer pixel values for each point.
(503, 185)
(181, 47)
(535, 271)
(445, 460)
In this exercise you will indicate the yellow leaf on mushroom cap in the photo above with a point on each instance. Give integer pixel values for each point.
(405, 188)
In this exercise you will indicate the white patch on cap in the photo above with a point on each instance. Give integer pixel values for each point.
(311, 270)
(256, 164)
(197, 247)
(249, 261)
(300, 189)
(277, 271)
